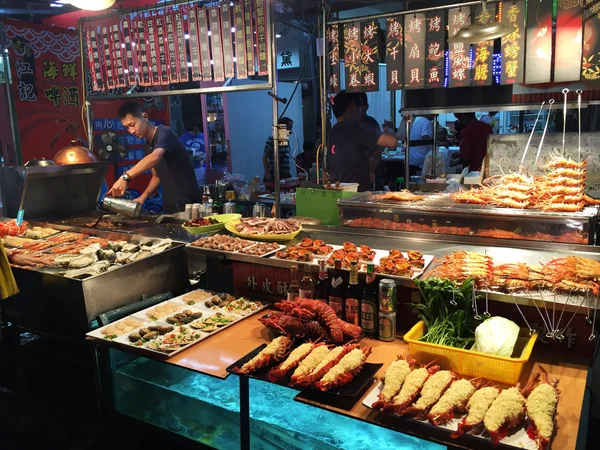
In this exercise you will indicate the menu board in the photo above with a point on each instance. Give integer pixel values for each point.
(194, 44)
(240, 40)
(261, 37)
(513, 53)
(105, 52)
(144, 71)
(154, 55)
(414, 61)
(94, 59)
(394, 53)
(370, 56)
(435, 39)
(482, 54)
(182, 70)
(249, 28)
(171, 49)
(216, 42)
(352, 56)
(333, 57)
(163, 67)
(567, 55)
(460, 69)
(227, 39)
(118, 55)
(202, 17)
(590, 64)
(538, 52)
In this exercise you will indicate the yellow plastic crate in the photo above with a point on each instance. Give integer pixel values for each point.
(469, 363)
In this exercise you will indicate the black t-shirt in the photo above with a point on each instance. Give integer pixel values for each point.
(352, 144)
(175, 171)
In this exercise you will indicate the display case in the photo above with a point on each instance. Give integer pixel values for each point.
(437, 213)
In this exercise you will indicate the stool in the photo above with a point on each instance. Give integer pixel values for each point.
(399, 184)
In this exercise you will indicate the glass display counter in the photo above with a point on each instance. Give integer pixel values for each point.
(437, 213)
(206, 409)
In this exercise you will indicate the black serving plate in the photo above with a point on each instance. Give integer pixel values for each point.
(360, 383)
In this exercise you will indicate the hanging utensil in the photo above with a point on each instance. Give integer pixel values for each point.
(531, 135)
(474, 305)
(565, 91)
(550, 102)
(579, 92)
(531, 330)
(593, 334)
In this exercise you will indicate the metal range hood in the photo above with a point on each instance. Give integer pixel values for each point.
(481, 32)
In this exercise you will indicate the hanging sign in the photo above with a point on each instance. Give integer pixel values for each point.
(333, 56)
(162, 53)
(129, 50)
(152, 45)
(171, 49)
(144, 71)
(105, 52)
(415, 27)
(513, 54)
(394, 53)
(460, 70)
(94, 60)
(590, 64)
(482, 54)
(261, 38)
(249, 28)
(194, 44)
(240, 40)
(204, 45)
(567, 55)
(182, 70)
(216, 41)
(538, 53)
(227, 39)
(434, 44)
(352, 57)
(118, 55)
(370, 56)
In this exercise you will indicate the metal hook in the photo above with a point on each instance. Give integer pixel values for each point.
(565, 91)
(593, 334)
(550, 103)
(531, 330)
(563, 311)
(546, 325)
(588, 319)
(579, 92)
(562, 333)
(545, 309)
(453, 302)
(474, 305)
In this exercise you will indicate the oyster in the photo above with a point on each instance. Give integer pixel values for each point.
(116, 246)
(139, 255)
(107, 255)
(65, 259)
(161, 246)
(123, 257)
(90, 249)
(82, 261)
(130, 248)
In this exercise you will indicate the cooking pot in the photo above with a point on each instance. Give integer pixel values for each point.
(74, 154)
(39, 163)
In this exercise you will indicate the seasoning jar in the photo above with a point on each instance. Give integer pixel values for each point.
(195, 211)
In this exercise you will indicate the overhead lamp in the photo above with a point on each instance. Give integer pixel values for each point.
(92, 5)
(480, 32)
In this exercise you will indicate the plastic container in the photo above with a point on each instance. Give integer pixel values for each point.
(469, 363)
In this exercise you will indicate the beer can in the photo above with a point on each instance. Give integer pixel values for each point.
(387, 326)
(387, 295)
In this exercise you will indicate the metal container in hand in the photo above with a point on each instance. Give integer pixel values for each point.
(259, 210)
(122, 206)
(229, 208)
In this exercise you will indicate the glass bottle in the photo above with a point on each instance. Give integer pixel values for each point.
(322, 288)
(352, 300)
(369, 302)
(336, 289)
(307, 284)
(294, 290)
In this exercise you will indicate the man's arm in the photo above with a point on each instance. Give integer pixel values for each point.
(148, 162)
(387, 140)
(150, 189)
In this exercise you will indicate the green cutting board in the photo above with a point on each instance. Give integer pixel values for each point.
(320, 204)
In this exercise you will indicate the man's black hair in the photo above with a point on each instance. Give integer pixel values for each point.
(285, 120)
(341, 102)
(133, 108)
(363, 97)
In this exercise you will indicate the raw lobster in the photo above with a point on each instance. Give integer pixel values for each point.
(293, 326)
(272, 353)
(308, 364)
(410, 389)
(432, 391)
(392, 380)
(332, 358)
(477, 407)
(507, 411)
(294, 359)
(541, 408)
(454, 400)
(314, 309)
(345, 370)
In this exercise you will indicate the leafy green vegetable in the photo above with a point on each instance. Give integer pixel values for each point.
(447, 310)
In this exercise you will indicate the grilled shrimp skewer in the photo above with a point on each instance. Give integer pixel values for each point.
(477, 407)
(292, 361)
(507, 411)
(410, 389)
(454, 400)
(541, 408)
(345, 370)
(393, 379)
(432, 391)
(272, 353)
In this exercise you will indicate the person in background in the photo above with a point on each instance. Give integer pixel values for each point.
(420, 130)
(284, 155)
(306, 159)
(166, 157)
(352, 142)
(442, 137)
(491, 119)
(473, 142)
(375, 162)
(388, 127)
(193, 139)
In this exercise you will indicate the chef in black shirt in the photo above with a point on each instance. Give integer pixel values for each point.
(171, 165)
(353, 142)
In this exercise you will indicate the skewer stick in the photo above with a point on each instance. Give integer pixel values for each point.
(562, 334)
(474, 305)
(553, 310)
(550, 333)
(563, 311)
(579, 92)
(593, 335)
(531, 135)
(522, 315)
(565, 91)
(547, 325)
(550, 102)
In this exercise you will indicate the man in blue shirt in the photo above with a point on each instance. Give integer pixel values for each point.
(194, 139)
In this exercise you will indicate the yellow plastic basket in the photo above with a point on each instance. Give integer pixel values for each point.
(469, 363)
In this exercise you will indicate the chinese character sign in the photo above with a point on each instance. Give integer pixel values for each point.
(482, 55)
(353, 63)
(394, 53)
(415, 28)
(202, 18)
(240, 40)
(513, 53)
(227, 39)
(216, 43)
(590, 60)
(538, 52)
(567, 55)
(370, 56)
(460, 68)
(249, 29)
(261, 37)
(333, 56)
(435, 39)
(46, 86)
(194, 43)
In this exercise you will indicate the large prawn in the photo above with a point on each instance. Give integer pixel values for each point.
(477, 407)
(541, 408)
(392, 380)
(410, 389)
